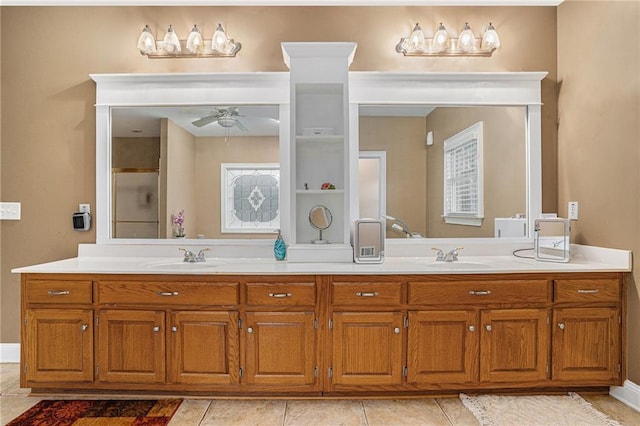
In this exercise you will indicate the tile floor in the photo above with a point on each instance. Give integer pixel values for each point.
(192, 412)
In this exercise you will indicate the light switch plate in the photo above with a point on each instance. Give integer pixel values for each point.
(10, 211)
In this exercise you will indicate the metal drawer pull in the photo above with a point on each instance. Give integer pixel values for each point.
(593, 291)
(561, 325)
(156, 329)
(472, 328)
(488, 327)
(167, 293)
(58, 292)
(479, 292)
(280, 295)
(84, 327)
(249, 330)
(367, 293)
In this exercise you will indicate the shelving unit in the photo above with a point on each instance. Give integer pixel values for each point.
(319, 150)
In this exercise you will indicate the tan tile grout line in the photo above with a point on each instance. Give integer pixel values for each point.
(446, 415)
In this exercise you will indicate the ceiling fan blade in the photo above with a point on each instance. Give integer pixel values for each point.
(241, 126)
(201, 122)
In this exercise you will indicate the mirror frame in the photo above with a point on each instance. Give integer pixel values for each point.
(272, 88)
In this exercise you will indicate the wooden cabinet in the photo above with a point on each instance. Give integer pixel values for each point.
(312, 335)
(59, 345)
(204, 348)
(367, 348)
(514, 345)
(443, 347)
(280, 348)
(587, 331)
(131, 346)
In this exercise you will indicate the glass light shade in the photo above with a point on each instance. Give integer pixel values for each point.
(440, 39)
(146, 42)
(466, 39)
(195, 42)
(219, 42)
(490, 39)
(171, 42)
(415, 42)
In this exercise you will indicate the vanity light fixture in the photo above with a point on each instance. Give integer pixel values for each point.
(466, 44)
(195, 46)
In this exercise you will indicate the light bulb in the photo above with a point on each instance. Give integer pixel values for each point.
(146, 42)
(416, 40)
(466, 39)
(440, 39)
(195, 42)
(171, 43)
(219, 41)
(490, 39)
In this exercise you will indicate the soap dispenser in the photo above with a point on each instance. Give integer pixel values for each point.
(279, 247)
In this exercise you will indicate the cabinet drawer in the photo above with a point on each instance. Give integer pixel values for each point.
(175, 293)
(281, 294)
(367, 293)
(598, 290)
(478, 292)
(59, 291)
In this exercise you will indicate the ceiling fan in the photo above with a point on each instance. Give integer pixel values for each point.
(225, 117)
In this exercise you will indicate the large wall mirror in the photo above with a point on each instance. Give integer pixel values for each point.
(164, 140)
(413, 138)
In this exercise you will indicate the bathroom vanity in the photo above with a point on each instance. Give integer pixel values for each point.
(411, 326)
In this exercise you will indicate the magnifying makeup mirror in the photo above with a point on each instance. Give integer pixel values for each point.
(320, 218)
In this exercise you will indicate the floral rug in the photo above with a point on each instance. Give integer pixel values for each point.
(535, 410)
(98, 413)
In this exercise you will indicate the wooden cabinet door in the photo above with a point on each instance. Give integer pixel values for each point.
(59, 345)
(367, 348)
(442, 347)
(280, 348)
(131, 346)
(586, 344)
(514, 345)
(204, 347)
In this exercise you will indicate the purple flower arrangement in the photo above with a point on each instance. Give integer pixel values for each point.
(178, 220)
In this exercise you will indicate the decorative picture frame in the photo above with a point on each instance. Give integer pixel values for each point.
(250, 198)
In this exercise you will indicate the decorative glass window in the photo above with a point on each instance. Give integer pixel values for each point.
(250, 197)
(463, 177)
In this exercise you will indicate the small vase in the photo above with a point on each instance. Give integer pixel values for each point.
(179, 236)
(279, 247)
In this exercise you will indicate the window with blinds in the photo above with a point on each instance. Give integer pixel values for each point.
(463, 177)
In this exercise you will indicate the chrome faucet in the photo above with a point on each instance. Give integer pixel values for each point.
(451, 256)
(191, 257)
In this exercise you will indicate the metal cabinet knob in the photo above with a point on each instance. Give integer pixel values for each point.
(472, 328)
(156, 329)
(561, 325)
(488, 327)
(396, 330)
(174, 328)
(249, 330)
(84, 327)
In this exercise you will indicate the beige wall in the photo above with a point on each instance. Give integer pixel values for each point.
(599, 134)
(181, 179)
(504, 166)
(48, 114)
(403, 140)
(135, 153)
(210, 154)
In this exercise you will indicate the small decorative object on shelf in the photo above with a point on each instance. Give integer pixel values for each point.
(178, 221)
(328, 185)
(279, 247)
(306, 186)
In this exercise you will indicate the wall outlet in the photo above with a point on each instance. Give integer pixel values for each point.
(9, 211)
(84, 208)
(572, 210)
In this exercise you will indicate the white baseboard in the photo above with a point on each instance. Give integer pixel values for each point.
(628, 394)
(9, 352)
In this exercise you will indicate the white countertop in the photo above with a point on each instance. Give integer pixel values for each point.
(584, 259)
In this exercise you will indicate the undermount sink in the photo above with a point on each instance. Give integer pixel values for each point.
(180, 265)
(459, 264)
